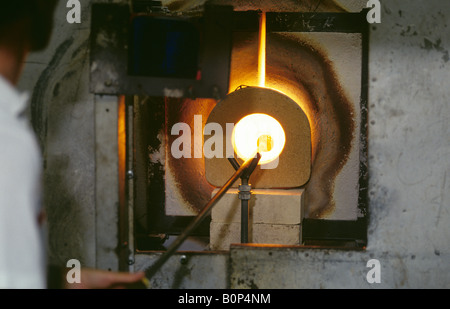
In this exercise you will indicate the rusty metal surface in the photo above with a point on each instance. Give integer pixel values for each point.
(316, 22)
(286, 5)
(272, 5)
(109, 52)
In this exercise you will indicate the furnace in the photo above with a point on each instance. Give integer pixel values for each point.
(286, 87)
(285, 165)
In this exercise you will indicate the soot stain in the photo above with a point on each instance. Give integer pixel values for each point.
(189, 173)
(38, 99)
(333, 120)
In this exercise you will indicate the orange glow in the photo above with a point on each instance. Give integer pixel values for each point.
(262, 51)
(258, 133)
(249, 70)
(121, 135)
(265, 143)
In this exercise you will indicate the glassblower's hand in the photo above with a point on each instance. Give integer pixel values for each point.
(102, 279)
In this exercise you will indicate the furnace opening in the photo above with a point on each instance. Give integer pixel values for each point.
(258, 132)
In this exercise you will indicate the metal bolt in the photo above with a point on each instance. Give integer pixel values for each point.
(245, 188)
(130, 174)
(130, 261)
(216, 93)
(190, 92)
(244, 195)
(244, 192)
(183, 260)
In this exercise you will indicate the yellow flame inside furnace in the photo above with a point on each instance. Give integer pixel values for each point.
(262, 51)
(258, 133)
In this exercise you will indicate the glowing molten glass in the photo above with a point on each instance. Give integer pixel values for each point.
(258, 133)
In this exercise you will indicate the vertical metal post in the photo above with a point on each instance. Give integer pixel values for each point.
(244, 196)
(130, 182)
(106, 182)
(244, 221)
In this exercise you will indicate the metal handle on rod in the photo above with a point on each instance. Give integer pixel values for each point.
(250, 164)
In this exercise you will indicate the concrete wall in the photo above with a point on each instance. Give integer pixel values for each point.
(409, 159)
(63, 115)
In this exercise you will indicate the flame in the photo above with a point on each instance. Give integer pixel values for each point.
(245, 72)
(262, 51)
(258, 133)
(121, 140)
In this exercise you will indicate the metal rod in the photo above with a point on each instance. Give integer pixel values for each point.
(130, 180)
(234, 163)
(244, 196)
(244, 221)
(250, 163)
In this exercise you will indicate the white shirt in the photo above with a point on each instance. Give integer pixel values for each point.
(22, 254)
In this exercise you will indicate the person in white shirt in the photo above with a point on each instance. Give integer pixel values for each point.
(25, 26)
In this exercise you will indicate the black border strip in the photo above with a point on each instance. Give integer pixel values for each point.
(316, 22)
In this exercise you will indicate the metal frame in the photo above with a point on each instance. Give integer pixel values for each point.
(106, 180)
(110, 45)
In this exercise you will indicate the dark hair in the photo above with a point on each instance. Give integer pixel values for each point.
(40, 12)
(12, 10)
